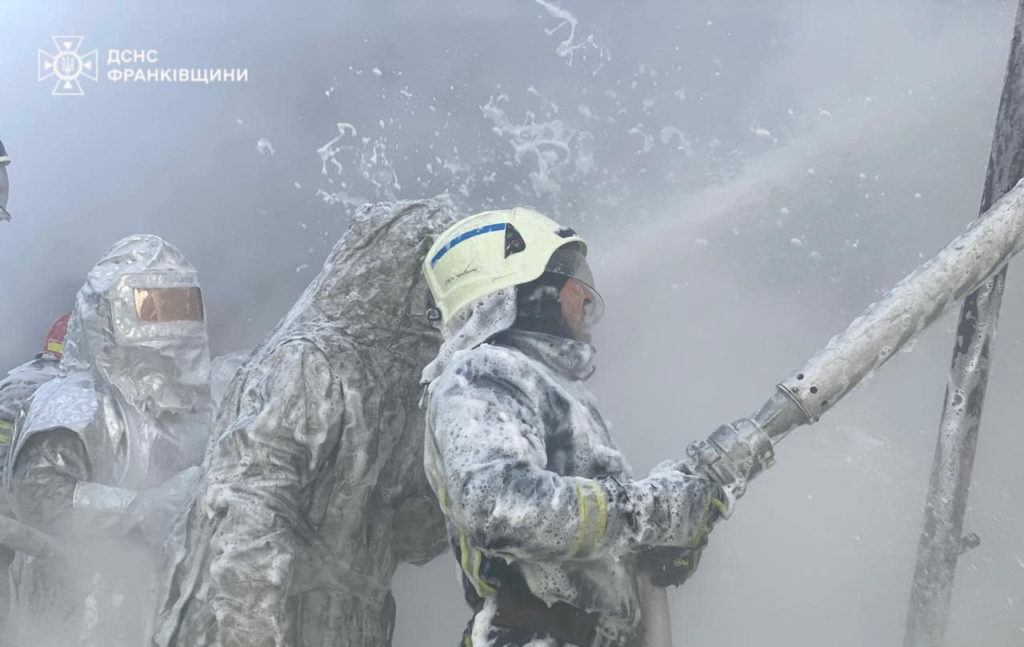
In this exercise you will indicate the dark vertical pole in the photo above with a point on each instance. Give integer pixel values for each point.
(942, 536)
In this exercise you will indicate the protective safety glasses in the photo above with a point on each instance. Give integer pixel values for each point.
(582, 304)
(160, 305)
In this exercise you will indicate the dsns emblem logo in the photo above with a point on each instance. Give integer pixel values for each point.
(66, 65)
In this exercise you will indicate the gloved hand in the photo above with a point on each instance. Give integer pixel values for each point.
(668, 565)
(673, 565)
(154, 511)
(731, 457)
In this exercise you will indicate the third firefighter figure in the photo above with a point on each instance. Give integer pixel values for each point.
(549, 526)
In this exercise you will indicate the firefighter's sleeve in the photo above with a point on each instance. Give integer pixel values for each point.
(489, 436)
(43, 480)
(286, 425)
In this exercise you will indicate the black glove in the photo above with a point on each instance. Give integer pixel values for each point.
(673, 565)
(669, 565)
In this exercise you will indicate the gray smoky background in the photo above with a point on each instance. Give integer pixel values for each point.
(750, 175)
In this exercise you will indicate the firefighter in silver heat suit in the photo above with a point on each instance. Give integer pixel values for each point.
(16, 388)
(314, 487)
(551, 530)
(101, 459)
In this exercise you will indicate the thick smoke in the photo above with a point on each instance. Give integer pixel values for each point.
(750, 176)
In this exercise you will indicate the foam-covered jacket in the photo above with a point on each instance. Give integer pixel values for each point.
(535, 490)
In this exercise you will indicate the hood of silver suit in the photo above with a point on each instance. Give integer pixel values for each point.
(371, 287)
(159, 373)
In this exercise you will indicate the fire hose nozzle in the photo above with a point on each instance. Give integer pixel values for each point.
(733, 455)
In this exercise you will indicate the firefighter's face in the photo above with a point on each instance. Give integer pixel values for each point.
(580, 308)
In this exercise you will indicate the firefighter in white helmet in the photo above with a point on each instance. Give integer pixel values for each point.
(545, 518)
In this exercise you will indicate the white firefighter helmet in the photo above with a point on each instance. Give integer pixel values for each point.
(494, 250)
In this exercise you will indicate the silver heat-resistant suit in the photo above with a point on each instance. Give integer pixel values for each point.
(315, 490)
(101, 459)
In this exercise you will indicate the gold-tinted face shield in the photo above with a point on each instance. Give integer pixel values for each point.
(161, 305)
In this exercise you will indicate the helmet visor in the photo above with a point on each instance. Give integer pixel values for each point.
(158, 305)
(582, 305)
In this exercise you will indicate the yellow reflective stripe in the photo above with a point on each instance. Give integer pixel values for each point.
(467, 641)
(484, 588)
(470, 560)
(702, 529)
(584, 514)
(5, 439)
(720, 505)
(55, 347)
(602, 514)
(5, 425)
(593, 518)
(464, 554)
